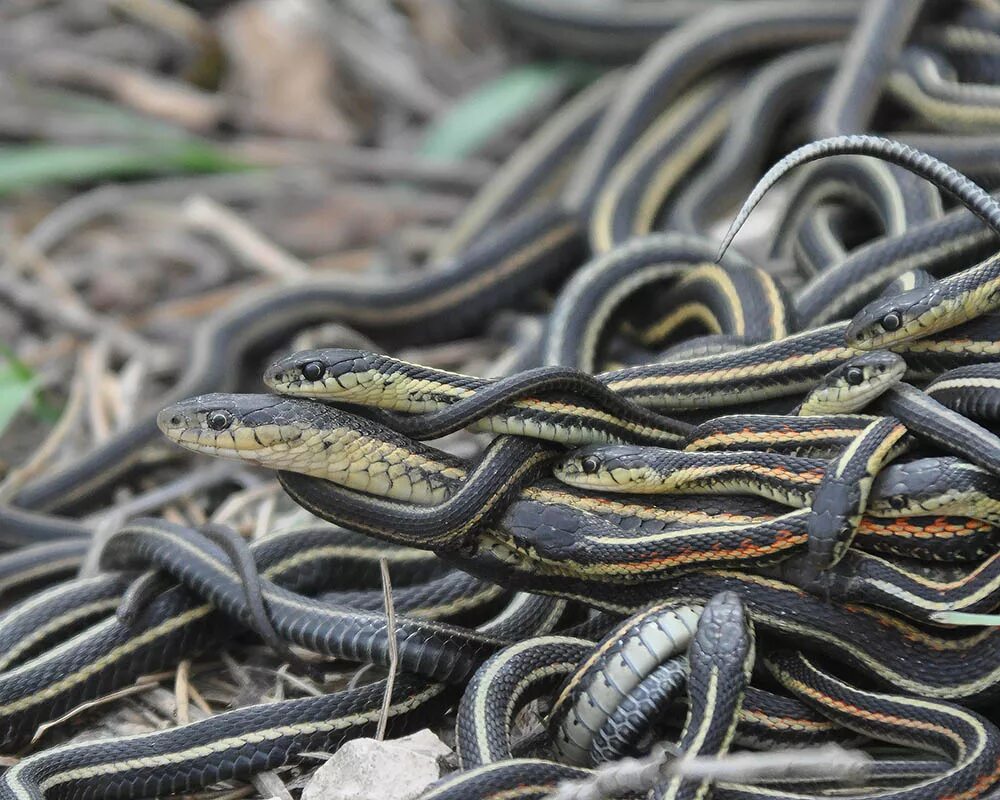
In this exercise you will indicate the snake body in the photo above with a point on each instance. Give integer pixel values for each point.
(696, 448)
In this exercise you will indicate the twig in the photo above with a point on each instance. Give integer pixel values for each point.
(359, 673)
(130, 382)
(640, 774)
(173, 101)
(390, 617)
(611, 780)
(95, 369)
(163, 702)
(830, 761)
(103, 530)
(200, 702)
(269, 785)
(257, 252)
(305, 686)
(141, 685)
(74, 317)
(182, 695)
(264, 517)
(234, 794)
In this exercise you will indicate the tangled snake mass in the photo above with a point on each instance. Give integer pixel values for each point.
(728, 498)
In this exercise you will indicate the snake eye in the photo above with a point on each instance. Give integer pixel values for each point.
(854, 376)
(219, 420)
(590, 465)
(891, 321)
(312, 371)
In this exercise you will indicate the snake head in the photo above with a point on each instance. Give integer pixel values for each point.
(899, 318)
(928, 483)
(310, 438)
(723, 644)
(854, 384)
(329, 372)
(612, 468)
(248, 427)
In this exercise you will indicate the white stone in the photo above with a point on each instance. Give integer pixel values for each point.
(366, 769)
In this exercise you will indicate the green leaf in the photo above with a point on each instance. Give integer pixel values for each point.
(479, 116)
(30, 166)
(17, 387)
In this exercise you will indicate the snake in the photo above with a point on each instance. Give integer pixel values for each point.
(599, 554)
(431, 499)
(894, 718)
(578, 207)
(838, 494)
(921, 311)
(720, 661)
(770, 370)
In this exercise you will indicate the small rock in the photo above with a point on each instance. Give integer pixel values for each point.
(366, 769)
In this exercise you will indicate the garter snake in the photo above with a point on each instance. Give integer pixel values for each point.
(544, 402)
(720, 661)
(403, 491)
(971, 391)
(969, 741)
(943, 485)
(837, 494)
(922, 311)
(782, 368)
(501, 519)
(591, 554)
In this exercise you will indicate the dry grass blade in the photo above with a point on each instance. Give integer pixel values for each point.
(390, 617)
(182, 694)
(142, 685)
(256, 251)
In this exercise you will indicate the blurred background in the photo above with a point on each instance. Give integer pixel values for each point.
(157, 158)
